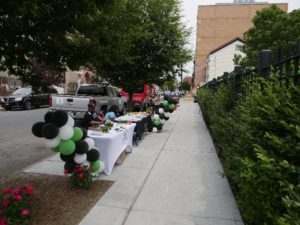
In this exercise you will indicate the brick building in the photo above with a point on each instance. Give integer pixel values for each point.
(220, 23)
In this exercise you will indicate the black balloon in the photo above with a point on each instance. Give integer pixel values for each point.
(159, 127)
(81, 147)
(68, 158)
(156, 108)
(37, 129)
(50, 130)
(84, 131)
(166, 109)
(69, 166)
(48, 117)
(93, 155)
(161, 105)
(171, 110)
(166, 118)
(171, 101)
(161, 116)
(60, 118)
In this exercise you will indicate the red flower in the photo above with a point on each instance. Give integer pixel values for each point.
(3, 221)
(16, 191)
(6, 191)
(25, 212)
(78, 168)
(90, 169)
(5, 202)
(66, 171)
(29, 189)
(1, 211)
(81, 176)
(18, 197)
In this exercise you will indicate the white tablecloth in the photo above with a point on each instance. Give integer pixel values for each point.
(128, 118)
(112, 144)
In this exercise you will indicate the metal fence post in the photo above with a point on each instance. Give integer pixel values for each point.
(236, 81)
(265, 60)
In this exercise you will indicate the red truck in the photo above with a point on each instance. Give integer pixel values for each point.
(143, 94)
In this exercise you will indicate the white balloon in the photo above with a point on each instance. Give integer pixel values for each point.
(90, 142)
(66, 132)
(167, 115)
(52, 143)
(80, 158)
(102, 167)
(156, 116)
(161, 111)
(154, 130)
(70, 121)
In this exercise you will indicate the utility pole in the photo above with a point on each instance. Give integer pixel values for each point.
(181, 71)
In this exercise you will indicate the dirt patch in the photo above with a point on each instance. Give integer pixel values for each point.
(55, 201)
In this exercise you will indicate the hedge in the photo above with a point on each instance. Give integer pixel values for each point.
(258, 138)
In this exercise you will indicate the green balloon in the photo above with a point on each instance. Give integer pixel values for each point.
(67, 147)
(165, 102)
(156, 122)
(77, 134)
(56, 149)
(171, 106)
(95, 165)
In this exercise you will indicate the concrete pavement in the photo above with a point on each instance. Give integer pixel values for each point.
(171, 178)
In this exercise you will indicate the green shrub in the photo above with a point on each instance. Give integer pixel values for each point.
(259, 139)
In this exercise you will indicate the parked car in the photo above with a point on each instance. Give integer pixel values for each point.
(27, 98)
(103, 96)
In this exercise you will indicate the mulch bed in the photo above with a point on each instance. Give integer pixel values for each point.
(55, 201)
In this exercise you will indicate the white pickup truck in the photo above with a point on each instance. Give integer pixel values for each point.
(102, 95)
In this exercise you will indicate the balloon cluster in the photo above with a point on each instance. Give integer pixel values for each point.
(158, 121)
(169, 104)
(71, 142)
(162, 112)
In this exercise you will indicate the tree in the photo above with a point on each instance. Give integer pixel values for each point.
(185, 86)
(127, 42)
(273, 28)
(156, 50)
(46, 32)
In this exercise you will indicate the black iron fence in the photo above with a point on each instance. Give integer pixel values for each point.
(283, 63)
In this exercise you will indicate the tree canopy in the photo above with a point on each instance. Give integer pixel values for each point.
(37, 32)
(156, 48)
(273, 28)
(185, 86)
(127, 42)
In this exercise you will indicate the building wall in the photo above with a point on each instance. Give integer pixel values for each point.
(222, 60)
(72, 77)
(217, 24)
(8, 83)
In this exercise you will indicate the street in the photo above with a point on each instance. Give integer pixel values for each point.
(19, 148)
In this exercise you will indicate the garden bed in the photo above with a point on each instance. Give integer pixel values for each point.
(55, 201)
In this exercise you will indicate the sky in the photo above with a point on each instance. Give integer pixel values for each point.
(189, 12)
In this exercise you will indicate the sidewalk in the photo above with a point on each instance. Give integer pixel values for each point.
(171, 178)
